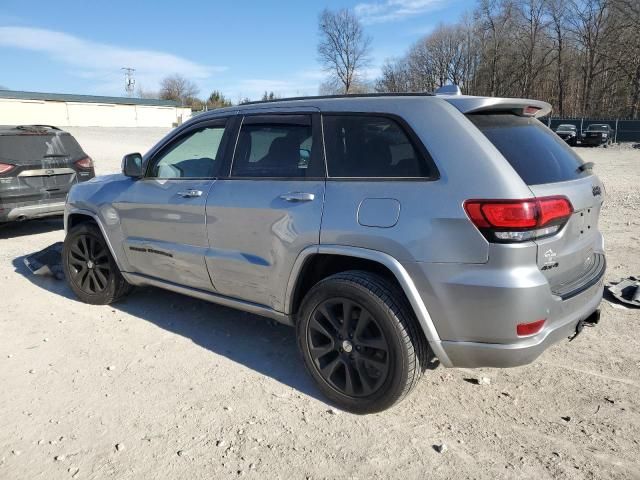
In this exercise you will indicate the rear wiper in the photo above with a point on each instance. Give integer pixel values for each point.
(52, 155)
(585, 166)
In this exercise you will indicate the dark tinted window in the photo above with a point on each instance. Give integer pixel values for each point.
(52, 149)
(193, 156)
(535, 152)
(360, 146)
(276, 146)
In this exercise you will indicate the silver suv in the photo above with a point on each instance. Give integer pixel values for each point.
(393, 231)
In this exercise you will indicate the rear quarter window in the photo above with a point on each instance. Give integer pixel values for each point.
(536, 153)
(372, 146)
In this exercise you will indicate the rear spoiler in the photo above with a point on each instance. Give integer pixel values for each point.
(518, 106)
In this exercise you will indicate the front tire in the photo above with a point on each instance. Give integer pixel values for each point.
(360, 341)
(90, 269)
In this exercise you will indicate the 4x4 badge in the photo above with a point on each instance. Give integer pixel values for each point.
(596, 190)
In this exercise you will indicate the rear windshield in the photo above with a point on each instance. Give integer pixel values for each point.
(28, 149)
(534, 151)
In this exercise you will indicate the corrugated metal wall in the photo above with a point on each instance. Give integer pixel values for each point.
(76, 114)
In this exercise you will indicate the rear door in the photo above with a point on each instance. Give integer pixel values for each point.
(163, 214)
(549, 167)
(269, 208)
(47, 163)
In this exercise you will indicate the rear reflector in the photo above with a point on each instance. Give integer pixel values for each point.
(85, 163)
(525, 329)
(519, 220)
(6, 167)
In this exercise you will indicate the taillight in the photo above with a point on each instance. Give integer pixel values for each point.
(519, 220)
(525, 329)
(6, 167)
(85, 163)
(530, 111)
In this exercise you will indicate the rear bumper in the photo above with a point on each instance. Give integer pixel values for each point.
(10, 212)
(476, 308)
(593, 141)
(474, 354)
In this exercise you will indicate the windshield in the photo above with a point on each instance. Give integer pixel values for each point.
(598, 127)
(566, 127)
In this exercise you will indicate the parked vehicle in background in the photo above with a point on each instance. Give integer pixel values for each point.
(361, 221)
(569, 133)
(38, 166)
(597, 134)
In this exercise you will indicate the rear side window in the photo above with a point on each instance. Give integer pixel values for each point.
(363, 146)
(534, 151)
(277, 146)
(32, 148)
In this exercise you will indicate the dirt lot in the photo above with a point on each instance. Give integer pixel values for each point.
(163, 386)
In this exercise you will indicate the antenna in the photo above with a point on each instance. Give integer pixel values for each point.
(129, 81)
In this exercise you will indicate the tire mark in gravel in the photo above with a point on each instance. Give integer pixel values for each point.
(594, 374)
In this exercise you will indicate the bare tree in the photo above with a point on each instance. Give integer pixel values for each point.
(582, 56)
(588, 23)
(558, 14)
(628, 58)
(144, 93)
(178, 88)
(344, 48)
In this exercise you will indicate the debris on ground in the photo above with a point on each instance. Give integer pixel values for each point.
(441, 448)
(627, 290)
(478, 381)
(47, 261)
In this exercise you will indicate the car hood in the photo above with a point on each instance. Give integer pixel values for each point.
(108, 178)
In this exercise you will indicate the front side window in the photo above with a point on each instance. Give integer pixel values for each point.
(362, 146)
(196, 155)
(277, 147)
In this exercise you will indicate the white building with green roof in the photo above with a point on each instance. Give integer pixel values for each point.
(68, 110)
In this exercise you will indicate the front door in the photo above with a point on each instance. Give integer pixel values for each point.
(163, 214)
(269, 209)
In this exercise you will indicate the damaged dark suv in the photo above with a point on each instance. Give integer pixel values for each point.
(38, 166)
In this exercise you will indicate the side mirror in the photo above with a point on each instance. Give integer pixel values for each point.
(132, 165)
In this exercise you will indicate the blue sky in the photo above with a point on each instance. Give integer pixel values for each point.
(240, 47)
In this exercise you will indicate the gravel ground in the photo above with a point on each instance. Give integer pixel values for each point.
(164, 386)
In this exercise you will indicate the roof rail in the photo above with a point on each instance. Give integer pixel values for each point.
(348, 95)
(36, 127)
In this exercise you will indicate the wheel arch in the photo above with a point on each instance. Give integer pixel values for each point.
(317, 262)
(75, 217)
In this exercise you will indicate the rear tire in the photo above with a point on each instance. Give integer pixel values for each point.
(89, 267)
(360, 341)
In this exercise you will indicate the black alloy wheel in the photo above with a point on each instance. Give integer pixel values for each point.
(89, 261)
(348, 347)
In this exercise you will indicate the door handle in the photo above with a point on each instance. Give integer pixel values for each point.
(297, 197)
(190, 193)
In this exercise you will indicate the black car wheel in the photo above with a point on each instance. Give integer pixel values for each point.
(89, 267)
(360, 341)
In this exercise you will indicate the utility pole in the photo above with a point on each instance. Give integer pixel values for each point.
(129, 81)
